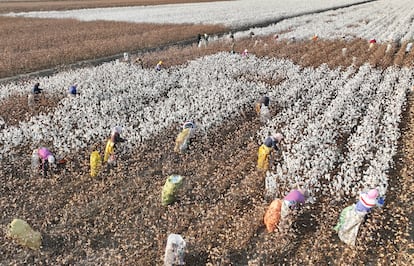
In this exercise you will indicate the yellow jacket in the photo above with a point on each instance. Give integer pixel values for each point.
(263, 157)
(109, 150)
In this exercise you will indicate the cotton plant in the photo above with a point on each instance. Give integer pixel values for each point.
(387, 138)
(144, 102)
(370, 138)
(358, 104)
(332, 120)
(384, 21)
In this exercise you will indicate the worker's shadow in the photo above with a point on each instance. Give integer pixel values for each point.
(53, 243)
(305, 222)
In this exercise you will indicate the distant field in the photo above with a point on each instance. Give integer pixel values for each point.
(34, 44)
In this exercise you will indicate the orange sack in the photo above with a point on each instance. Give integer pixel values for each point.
(273, 214)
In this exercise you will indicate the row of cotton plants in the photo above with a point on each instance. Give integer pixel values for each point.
(384, 130)
(375, 140)
(229, 13)
(344, 140)
(143, 102)
(385, 21)
(340, 127)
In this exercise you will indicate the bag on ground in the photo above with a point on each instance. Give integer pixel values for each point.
(95, 163)
(264, 114)
(24, 234)
(271, 185)
(174, 251)
(35, 161)
(170, 189)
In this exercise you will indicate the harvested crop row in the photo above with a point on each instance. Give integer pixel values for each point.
(44, 5)
(36, 44)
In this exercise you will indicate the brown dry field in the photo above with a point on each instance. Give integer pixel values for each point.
(36, 44)
(118, 219)
(42, 5)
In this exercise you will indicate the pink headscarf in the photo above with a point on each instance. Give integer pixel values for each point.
(44, 153)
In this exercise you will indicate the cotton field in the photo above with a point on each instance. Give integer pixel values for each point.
(341, 127)
(384, 21)
(320, 111)
(346, 130)
(230, 13)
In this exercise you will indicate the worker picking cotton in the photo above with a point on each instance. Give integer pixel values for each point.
(33, 96)
(138, 61)
(110, 148)
(353, 216)
(262, 109)
(36, 88)
(42, 159)
(270, 144)
(279, 209)
(295, 198)
(183, 139)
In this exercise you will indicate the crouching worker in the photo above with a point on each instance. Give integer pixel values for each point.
(158, 67)
(46, 158)
(183, 139)
(33, 95)
(265, 150)
(262, 109)
(280, 208)
(354, 215)
(73, 90)
(109, 156)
